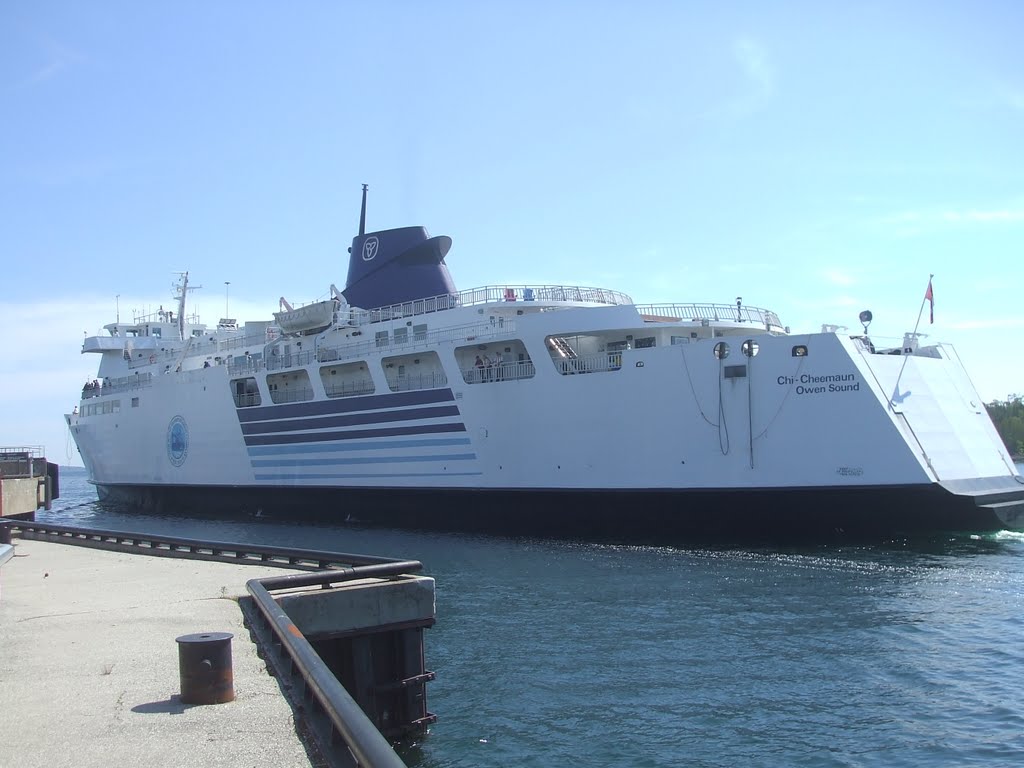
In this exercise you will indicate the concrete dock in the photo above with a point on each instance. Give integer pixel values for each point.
(89, 672)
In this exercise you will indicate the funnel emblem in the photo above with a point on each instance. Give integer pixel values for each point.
(370, 248)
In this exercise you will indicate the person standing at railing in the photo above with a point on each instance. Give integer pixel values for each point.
(479, 368)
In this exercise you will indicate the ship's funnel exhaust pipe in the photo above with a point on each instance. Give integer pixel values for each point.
(362, 213)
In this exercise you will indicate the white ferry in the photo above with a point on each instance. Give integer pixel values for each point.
(539, 408)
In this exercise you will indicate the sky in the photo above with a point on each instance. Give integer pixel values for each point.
(816, 159)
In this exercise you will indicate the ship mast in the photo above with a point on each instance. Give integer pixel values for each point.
(183, 288)
(362, 213)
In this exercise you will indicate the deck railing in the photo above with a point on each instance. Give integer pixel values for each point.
(296, 395)
(408, 382)
(713, 313)
(114, 386)
(506, 371)
(604, 361)
(490, 294)
(350, 388)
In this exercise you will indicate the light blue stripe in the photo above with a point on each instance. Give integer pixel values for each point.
(361, 460)
(366, 475)
(278, 450)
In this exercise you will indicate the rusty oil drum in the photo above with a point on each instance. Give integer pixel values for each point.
(204, 664)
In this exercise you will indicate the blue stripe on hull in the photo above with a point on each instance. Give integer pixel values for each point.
(360, 460)
(344, 405)
(352, 434)
(380, 445)
(315, 476)
(376, 417)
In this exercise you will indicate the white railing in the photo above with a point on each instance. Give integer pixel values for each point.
(510, 371)
(605, 361)
(406, 382)
(712, 312)
(490, 294)
(350, 388)
(109, 386)
(296, 395)
(247, 400)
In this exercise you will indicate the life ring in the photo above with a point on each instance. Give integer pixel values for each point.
(152, 358)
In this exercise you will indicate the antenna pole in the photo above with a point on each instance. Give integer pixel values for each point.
(896, 389)
(362, 213)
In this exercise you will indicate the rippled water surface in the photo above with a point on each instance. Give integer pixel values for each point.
(552, 653)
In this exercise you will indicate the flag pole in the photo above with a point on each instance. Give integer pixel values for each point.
(927, 297)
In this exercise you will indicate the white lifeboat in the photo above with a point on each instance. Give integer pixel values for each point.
(312, 317)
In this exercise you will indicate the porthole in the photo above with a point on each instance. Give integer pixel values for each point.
(750, 348)
(800, 350)
(721, 350)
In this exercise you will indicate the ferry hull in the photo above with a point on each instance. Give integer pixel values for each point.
(643, 516)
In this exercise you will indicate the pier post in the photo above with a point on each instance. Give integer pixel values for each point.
(204, 665)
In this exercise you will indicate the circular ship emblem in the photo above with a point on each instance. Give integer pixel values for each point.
(370, 248)
(177, 441)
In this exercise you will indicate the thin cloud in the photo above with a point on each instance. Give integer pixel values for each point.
(983, 216)
(836, 277)
(915, 222)
(982, 324)
(1011, 97)
(753, 60)
(59, 58)
(759, 81)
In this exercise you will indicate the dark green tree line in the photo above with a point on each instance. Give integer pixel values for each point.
(1008, 416)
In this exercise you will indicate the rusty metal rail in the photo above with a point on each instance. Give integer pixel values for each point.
(341, 718)
(171, 546)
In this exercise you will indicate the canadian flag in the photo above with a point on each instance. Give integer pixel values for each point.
(930, 297)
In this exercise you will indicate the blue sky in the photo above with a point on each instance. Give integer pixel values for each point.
(815, 158)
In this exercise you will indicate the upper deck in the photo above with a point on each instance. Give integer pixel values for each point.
(153, 343)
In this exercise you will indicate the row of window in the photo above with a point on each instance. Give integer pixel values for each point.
(96, 409)
(750, 348)
(478, 364)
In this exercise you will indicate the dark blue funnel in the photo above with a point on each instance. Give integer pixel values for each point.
(395, 266)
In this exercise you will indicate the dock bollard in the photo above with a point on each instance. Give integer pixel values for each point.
(204, 664)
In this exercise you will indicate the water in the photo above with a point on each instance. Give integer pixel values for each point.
(556, 653)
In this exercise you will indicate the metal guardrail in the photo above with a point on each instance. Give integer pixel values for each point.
(361, 738)
(713, 313)
(345, 717)
(20, 451)
(195, 549)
